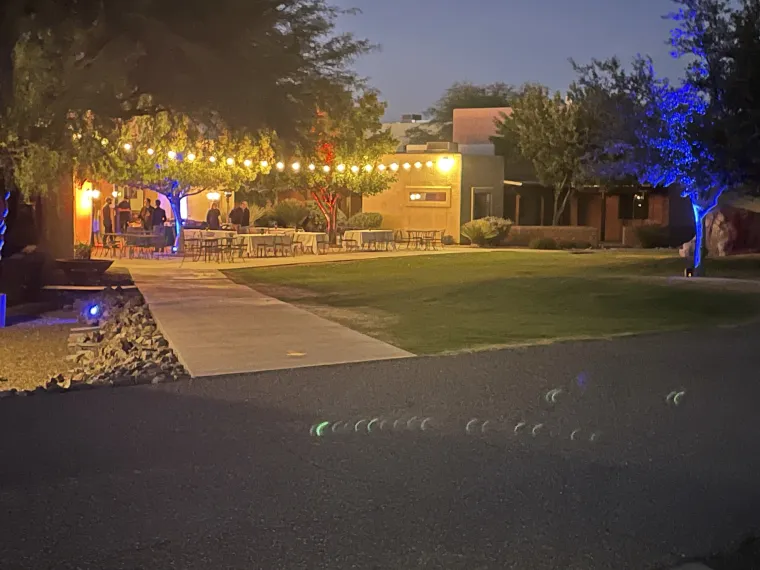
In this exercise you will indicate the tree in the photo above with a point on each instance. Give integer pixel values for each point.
(346, 146)
(461, 95)
(257, 64)
(174, 156)
(546, 131)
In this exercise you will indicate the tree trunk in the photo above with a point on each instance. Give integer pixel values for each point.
(5, 195)
(700, 248)
(559, 208)
(174, 202)
(327, 202)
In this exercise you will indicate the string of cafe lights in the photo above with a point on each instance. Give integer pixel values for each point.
(444, 164)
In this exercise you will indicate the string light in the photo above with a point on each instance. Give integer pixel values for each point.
(280, 165)
(191, 157)
(151, 151)
(394, 167)
(368, 168)
(381, 167)
(127, 147)
(407, 166)
(104, 142)
(418, 165)
(230, 161)
(172, 154)
(263, 164)
(296, 166)
(354, 169)
(326, 168)
(312, 167)
(247, 163)
(429, 164)
(341, 168)
(212, 159)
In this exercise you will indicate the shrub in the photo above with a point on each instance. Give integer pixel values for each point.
(316, 221)
(256, 213)
(567, 244)
(653, 235)
(501, 226)
(365, 221)
(479, 232)
(82, 251)
(543, 243)
(291, 212)
(447, 240)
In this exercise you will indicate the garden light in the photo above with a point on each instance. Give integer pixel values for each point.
(93, 311)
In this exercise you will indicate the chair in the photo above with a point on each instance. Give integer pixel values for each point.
(283, 244)
(440, 238)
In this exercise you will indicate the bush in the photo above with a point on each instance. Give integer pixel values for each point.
(501, 226)
(82, 251)
(256, 213)
(479, 232)
(652, 235)
(316, 221)
(543, 243)
(365, 221)
(291, 212)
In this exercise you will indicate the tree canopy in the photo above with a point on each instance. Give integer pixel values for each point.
(461, 95)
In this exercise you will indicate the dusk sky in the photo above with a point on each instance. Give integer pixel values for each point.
(429, 44)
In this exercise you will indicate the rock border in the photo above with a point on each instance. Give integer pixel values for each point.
(124, 347)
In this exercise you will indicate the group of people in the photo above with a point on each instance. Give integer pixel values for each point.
(240, 216)
(120, 216)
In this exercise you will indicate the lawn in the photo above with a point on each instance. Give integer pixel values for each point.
(431, 304)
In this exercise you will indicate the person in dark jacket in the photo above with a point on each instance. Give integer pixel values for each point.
(236, 216)
(159, 215)
(124, 215)
(245, 219)
(146, 215)
(108, 221)
(213, 217)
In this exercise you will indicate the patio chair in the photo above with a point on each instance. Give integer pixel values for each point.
(283, 244)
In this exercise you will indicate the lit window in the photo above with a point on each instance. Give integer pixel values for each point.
(428, 196)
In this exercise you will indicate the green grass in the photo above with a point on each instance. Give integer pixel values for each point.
(431, 304)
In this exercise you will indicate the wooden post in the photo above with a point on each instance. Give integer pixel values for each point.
(541, 219)
(517, 208)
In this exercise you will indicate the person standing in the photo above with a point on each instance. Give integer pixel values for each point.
(146, 215)
(108, 222)
(236, 216)
(158, 217)
(124, 212)
(245, 219)
(213, 217)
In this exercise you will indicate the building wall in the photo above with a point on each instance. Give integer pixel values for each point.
(482, 172)
(477, 126)
(399, 212)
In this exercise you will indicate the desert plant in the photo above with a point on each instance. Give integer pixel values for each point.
(652, 235)
(479, 232)
(365, 221)
(82, 251)
(291, 212)
(502, 227)
(256, 213)
(543, 243)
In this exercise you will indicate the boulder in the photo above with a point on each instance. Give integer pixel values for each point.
(728, 231)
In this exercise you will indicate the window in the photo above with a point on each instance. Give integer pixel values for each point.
(427, 196)
(633, 206)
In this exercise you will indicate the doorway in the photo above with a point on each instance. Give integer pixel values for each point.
(482, 203)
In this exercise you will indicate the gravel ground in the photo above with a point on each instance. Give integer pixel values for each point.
(31, 351)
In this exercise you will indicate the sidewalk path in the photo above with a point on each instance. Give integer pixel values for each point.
(218, 327)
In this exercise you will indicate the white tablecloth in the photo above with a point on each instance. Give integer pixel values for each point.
(255, 240)
(310, 240)
(200, 234)
(362, 237)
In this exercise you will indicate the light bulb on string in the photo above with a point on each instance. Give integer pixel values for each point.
(381, 167)
(247, 163)
(368, 168)
(212, 159)
(230, 161)
(263, 164)
(354, 169)
(312, 167)
(127, 147)
(394, 166)
(296, 166)
(418, 165)
(407, 166)
(191, 157)
(280, 165)
(150, 152)
(326, 168)
(341, 168)
(429, 164)
(171, 154)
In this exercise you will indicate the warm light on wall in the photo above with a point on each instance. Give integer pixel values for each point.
(445, 164)
(213, 196)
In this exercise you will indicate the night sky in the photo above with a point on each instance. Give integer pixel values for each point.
(426, 45)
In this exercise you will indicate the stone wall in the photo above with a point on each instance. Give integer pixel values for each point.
(522, 235)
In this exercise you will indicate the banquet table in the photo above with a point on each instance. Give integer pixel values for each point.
(310, 240)
(366, 237)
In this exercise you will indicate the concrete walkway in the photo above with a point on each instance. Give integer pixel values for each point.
(218, 327)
